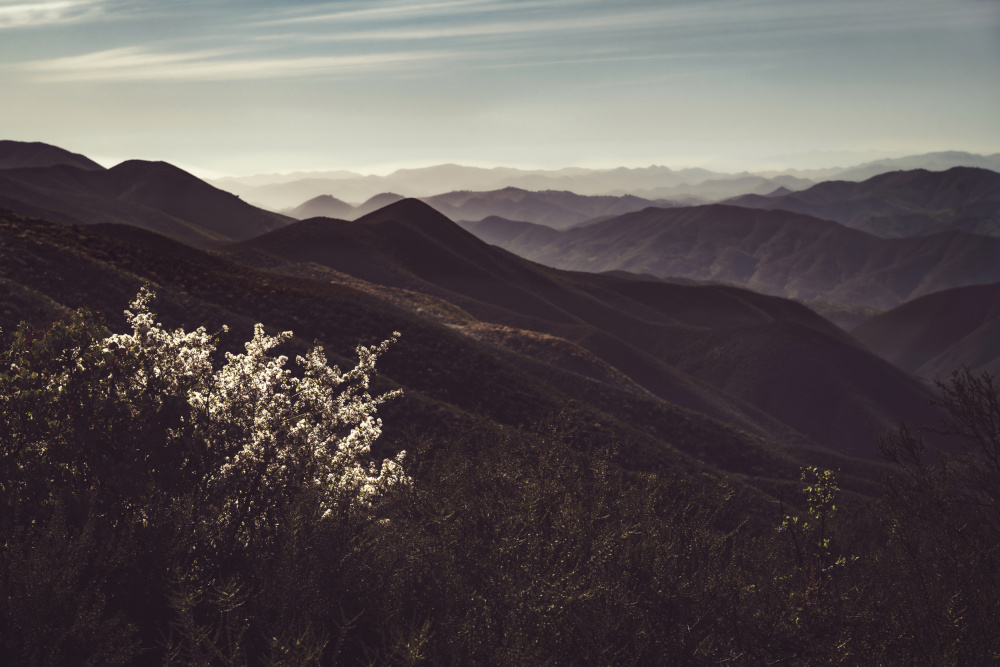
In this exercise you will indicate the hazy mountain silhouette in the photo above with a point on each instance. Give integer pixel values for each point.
(376, 202)
(938, 333)
(714, 349)
(153, 195)
(901, 203)
(323, 206)
(775, 252)
(278, 192)
(556, 209)
(21, 155)
(723, 188)
(285, 191)
(939, 161)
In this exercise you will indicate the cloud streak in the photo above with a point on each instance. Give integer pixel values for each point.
(21, 13)
(133, 64)
(396, 22)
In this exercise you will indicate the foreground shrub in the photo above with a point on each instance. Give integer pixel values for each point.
(138, 438)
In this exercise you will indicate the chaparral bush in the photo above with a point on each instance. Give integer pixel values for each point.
(142, 442)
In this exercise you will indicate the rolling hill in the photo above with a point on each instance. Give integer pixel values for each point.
(938, 333)
(325, 206)
(23, 154)
(774, 252)
(154, 195)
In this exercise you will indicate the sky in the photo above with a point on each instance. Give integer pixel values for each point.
(227, 87)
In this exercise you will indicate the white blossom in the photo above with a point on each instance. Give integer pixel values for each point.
(267, 429)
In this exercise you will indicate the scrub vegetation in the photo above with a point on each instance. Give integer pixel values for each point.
(164, 502)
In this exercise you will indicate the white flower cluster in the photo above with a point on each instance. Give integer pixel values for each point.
(270, 432)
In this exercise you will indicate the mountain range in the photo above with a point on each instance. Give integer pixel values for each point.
(286, 191)
(556, 209)
(774, 252)
(646, 348)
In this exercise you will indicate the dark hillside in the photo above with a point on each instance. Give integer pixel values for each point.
(153, 195)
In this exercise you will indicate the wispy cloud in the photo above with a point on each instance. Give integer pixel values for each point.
(24, 13)
(712, 19)
(389, 11)
(139, 64)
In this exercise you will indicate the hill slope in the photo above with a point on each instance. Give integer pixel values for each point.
(938, 333)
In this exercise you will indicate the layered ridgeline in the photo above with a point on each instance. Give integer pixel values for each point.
(755, 361)
(774, 252)
(900, 203)
(285, 191)
(46, 182)
(280, 191)
(556, 209)
(938, 333)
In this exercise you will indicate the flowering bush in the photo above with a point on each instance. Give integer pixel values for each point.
(117, 416)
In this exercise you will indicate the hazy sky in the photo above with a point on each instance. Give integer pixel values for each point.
(240, 87)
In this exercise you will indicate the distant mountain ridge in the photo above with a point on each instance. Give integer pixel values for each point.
(900, 203)
(774, 252)
(286, 191)
(555, 209)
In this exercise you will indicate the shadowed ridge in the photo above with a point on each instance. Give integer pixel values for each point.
(154, 195)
